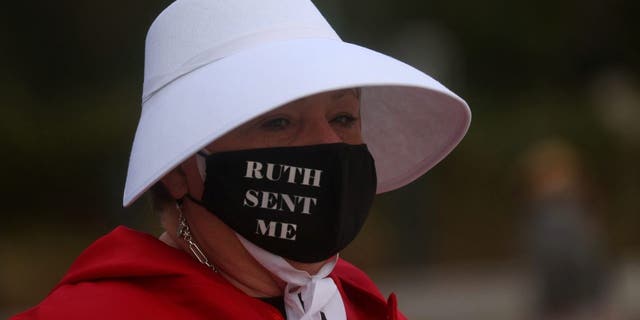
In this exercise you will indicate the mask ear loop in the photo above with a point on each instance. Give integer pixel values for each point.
(185, 233)
(201, 162)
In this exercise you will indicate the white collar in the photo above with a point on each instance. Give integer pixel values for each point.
(306, 297)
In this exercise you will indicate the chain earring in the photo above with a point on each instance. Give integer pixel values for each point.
(185, 233)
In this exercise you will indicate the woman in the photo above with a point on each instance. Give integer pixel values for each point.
(263, 139)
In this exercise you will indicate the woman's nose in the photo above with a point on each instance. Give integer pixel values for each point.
(319, 131)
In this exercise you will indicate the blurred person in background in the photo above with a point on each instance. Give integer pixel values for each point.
(263, 139)
(563, 238)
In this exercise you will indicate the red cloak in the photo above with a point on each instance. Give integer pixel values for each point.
(131, 275)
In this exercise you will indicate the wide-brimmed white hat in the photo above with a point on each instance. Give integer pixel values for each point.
(212, 65)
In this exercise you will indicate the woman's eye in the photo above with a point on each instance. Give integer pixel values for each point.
(345, 120)
(276, 124)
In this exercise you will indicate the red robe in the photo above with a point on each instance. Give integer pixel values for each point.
(131, 275)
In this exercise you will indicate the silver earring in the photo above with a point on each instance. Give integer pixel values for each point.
(185, 233)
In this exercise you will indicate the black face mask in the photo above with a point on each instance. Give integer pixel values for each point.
(302, 203)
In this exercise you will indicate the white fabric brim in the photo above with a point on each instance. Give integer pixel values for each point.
(410, 121)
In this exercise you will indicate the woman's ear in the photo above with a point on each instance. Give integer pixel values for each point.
(184, 179)
(176, 183)
(195, 184)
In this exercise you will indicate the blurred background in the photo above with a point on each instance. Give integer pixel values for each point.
(534, 216)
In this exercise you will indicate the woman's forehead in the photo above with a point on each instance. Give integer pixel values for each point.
(323, 98)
